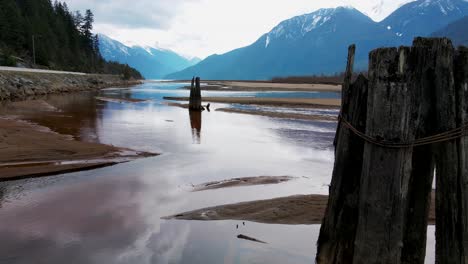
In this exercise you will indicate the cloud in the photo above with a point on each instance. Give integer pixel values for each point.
(152, 14)
(204, 27)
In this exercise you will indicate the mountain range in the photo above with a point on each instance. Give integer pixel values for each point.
(153, 63)
(457, 31)
(317, 43)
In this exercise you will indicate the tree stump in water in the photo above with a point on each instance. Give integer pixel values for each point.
(195, 102)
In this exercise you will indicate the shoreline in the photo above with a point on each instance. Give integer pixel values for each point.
(284, 102)
(311, 117)
(18, 85)
(30, 150)
(291, 210)
(252, 85)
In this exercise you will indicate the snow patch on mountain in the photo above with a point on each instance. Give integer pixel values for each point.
(299, 26)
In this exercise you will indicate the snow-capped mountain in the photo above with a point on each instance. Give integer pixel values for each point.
(153, 63)
(309, 44)
(424, 17)
(317, 43)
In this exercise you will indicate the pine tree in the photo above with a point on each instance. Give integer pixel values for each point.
(88, 24)
(63, 40)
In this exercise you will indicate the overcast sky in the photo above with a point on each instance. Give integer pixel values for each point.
(204, 27)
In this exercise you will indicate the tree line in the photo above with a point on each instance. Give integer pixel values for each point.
(48, 34)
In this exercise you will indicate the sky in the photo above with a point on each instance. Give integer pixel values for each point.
(199, 28)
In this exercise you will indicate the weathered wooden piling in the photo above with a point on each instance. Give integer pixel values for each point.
(461, 86)
(420, 75)
(195, 102)
(336, 240)
(448, 229)
(417, 122)
(385, 172)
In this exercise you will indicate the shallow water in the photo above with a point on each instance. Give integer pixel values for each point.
(113, 215)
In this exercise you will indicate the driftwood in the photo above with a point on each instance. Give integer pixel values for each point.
(417, 113)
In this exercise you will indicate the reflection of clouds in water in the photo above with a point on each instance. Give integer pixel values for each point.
(168, 246)
(95, 222)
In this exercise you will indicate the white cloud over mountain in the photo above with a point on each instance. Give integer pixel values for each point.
(203, 27)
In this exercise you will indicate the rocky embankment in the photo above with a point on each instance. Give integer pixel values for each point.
(22, 85)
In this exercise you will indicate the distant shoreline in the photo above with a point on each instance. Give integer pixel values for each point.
(284, 102)
(262, 86)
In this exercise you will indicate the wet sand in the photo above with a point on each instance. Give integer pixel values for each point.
(246, 86)
(293, 210)
(239, 182)
(30, 150)
(120, 100)
(284, 102)
(279, 114)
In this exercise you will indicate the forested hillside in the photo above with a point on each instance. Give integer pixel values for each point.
(41, 34)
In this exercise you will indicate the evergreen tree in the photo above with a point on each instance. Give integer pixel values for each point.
(87, 26)
(62, 40)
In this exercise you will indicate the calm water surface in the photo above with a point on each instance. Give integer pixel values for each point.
(113, 215)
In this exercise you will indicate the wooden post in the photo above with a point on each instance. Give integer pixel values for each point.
(448, 228)
(420, 81)
(336, 240)
(461, 86)
(195, 96)
(385, 171)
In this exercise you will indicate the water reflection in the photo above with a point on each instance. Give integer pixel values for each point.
(196, 125)
(101, 221)
(113, 215)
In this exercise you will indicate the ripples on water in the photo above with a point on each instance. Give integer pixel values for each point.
(113, 215)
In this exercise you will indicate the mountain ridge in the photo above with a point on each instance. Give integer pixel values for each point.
(153, 63)
(316, 43)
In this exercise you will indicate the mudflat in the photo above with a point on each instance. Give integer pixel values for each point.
(30, 150)
(280, 114)
(293, 210)
(239, 182)
(285, 102)
(267, 86)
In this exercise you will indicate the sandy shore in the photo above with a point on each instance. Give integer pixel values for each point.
(28, 150)
(120, 100)
(284, 102)
(239, 182)
(266, 86)
(279, 114)
(293, 210)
